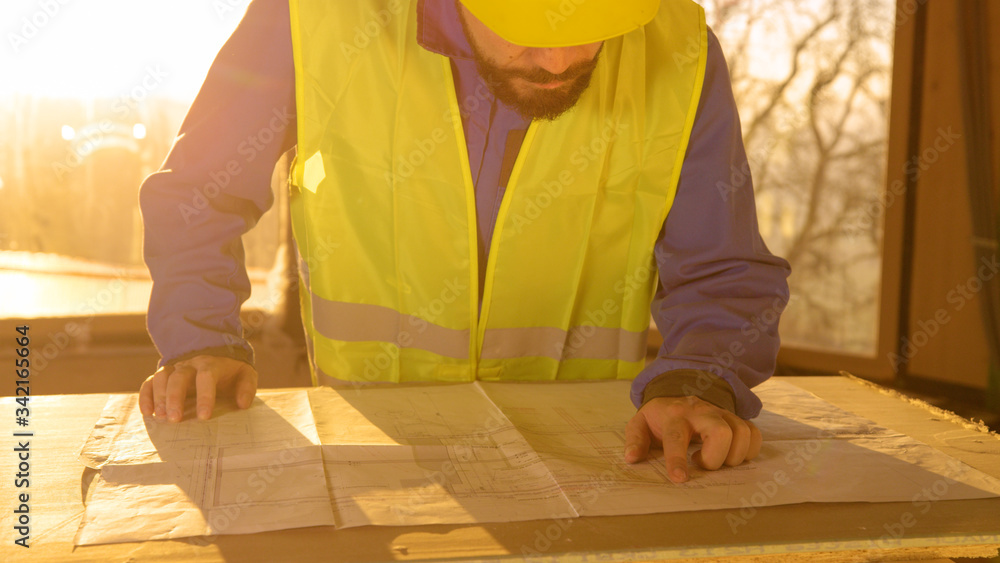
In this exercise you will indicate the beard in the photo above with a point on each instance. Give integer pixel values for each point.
(531, 101)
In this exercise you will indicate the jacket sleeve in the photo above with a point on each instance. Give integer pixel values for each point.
(214, 186)
(721, 291)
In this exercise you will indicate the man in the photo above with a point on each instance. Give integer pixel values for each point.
(481, 190)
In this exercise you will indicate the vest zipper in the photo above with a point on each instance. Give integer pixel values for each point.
(491, 255)
(470, 198)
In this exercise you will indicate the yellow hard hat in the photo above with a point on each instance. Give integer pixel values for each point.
(561, 23)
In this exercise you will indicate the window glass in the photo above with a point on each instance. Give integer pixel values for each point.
(812, 81)
(94, 95)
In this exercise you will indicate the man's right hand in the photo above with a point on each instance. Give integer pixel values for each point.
(164, 392)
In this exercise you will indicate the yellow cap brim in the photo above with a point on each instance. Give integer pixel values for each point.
(561, 23)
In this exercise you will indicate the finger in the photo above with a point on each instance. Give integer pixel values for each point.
(177, 390)
(246, 387)
(636, 439)
(740, 444)
(146, 397)
(676, 436)
(160, 390)
(204, 382)
(756, 441)
(716, 438)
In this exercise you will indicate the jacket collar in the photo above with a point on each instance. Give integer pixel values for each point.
(439, 29)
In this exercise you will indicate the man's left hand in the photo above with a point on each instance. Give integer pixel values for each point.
(675, 421)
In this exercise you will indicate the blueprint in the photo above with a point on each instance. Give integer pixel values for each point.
(468, 453)
(813, 452)
(429, 454)
(237, 473)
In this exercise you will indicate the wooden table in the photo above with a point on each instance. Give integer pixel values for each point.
(803, 532)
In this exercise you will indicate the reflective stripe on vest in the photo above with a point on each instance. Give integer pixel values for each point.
(384, 218)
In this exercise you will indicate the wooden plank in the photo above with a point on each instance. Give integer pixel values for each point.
(805, 532)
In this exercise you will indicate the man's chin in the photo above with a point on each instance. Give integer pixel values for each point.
(543, 111)
(539, 103)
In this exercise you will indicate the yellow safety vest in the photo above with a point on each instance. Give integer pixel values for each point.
(384, 217)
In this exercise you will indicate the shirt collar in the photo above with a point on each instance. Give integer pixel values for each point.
(439, 29)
